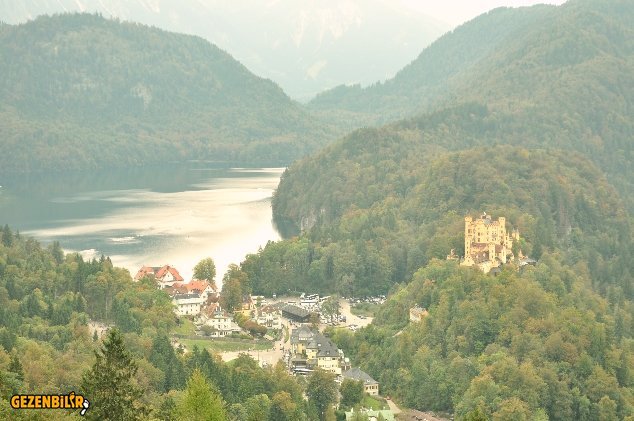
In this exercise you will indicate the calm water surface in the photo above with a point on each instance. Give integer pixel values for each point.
(173, 215)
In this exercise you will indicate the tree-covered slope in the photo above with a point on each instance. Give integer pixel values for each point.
(567, 82)
(533, 345)
(53, 312)
(377, 223)
(418, 85)
(304, 46)
(572, 67)
(81, 91)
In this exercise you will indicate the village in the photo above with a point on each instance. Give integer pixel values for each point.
(291, 329)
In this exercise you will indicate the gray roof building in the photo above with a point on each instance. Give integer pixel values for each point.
(359, 375)
(295, 313)
(324, 346)
(302, 334)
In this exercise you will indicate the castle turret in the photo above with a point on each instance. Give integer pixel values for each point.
(467, 235)
(502, 228)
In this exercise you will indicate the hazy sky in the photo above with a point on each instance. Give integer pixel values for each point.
(455, 12)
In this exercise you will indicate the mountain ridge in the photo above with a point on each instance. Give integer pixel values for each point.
(416, 86)
(303, 45)
(134, 88)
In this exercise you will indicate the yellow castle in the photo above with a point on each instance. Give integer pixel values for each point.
(487, 243)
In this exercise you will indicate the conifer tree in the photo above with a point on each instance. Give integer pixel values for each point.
(201, 401)
(15, 366)
(109, 385)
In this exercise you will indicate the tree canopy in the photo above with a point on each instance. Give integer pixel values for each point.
(205, 269)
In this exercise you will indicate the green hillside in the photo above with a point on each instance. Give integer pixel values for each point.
(535, 345)
(372, 208)
(80, 91)
(539, 131)
(551, 77)
(375, 224)
(421, 83)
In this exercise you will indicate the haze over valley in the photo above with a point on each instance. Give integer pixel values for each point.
(334, 210)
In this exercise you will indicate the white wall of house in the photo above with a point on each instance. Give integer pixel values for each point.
(270, 320)
(371, 389)
(188, 306)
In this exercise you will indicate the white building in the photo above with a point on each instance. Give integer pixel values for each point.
(187, 304)
(222, 324)
(270, 317)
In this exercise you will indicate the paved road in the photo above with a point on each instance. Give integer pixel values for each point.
(395, 409)
(351, 319)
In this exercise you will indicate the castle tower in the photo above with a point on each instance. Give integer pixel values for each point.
(502, 228)
(467, 235)
(491, 251)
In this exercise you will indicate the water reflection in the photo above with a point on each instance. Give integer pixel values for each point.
(175, 215)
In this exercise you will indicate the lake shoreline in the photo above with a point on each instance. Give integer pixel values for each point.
(149, 216)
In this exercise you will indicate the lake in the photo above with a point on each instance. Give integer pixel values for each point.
(172, 214)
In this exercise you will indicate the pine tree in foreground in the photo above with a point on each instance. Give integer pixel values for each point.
(200, 401)
(109, 385)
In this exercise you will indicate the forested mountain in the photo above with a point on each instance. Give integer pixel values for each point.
(538, 131)
(302, 45)
(80, 91)
(568, 83)
(572, 64)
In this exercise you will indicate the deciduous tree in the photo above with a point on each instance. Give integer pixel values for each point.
(322, 391)
(351, 392)
(205, 269)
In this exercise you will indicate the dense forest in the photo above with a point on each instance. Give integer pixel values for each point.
(533, 345)
(47, 300)
(557, 78)
(580, 113)
(542, 53)
(79, 92)
(380, 222)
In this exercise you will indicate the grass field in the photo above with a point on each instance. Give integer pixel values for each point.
(186, 327)
(374, 403)
(364, 309)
